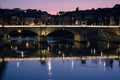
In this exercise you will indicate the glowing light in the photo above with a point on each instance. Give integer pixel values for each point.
(49, 67)
(101, 53)
(8, 36)
(94, 51)
(104, 64)
(77, 22)
(11, 47)
(43, 59)
(91, 51)
(22, 54)
(83, 58)
(108, 45)
(27, 44)
(72, 64)
(32, 24)
(43, 51)
(63, 55)
(48, 48)
(59, 58)
(43, 33)
(18, 64)
(59, 52)
(19, 31)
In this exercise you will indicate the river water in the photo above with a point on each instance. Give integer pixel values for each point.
(26, 59)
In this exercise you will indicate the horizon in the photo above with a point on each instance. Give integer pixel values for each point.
(54, 6)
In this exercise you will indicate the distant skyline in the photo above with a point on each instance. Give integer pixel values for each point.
(54, 6)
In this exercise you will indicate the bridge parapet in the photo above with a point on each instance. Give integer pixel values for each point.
(89, 26)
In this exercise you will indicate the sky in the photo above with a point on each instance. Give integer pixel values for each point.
(54, 6)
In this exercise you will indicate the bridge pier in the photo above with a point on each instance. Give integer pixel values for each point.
(78, 38)
(41, 38)
(77, 45)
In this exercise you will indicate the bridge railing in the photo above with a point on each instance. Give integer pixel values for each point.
(102, 26)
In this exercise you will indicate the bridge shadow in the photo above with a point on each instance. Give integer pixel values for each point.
(23, 33)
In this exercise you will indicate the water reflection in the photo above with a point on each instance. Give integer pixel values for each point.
(52, 68)
(60, 60)
(2, 68)
(24, 47)
(49, 67)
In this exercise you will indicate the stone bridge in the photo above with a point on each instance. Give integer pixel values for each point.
(80, 32)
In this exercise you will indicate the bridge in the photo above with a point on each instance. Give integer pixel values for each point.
(80, 32)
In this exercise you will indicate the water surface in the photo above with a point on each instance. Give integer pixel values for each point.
(26, 59)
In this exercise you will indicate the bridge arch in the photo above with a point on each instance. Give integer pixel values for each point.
(112, 33)
(62, 34)
(44, 31)
(22, 33)
(16, 29)
(77, 36)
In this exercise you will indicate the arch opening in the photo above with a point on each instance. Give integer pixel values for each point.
(61, 34)
(22, 33)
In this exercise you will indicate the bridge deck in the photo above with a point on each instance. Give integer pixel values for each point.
(99, 26)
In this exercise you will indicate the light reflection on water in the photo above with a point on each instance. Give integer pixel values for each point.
(59, 69)
(30, 60)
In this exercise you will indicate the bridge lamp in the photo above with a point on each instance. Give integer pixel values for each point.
(32, 23)
(19, 31)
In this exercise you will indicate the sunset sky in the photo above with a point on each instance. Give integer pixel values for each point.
(54, 6)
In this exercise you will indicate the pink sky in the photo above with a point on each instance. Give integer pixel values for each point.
(54, 6)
